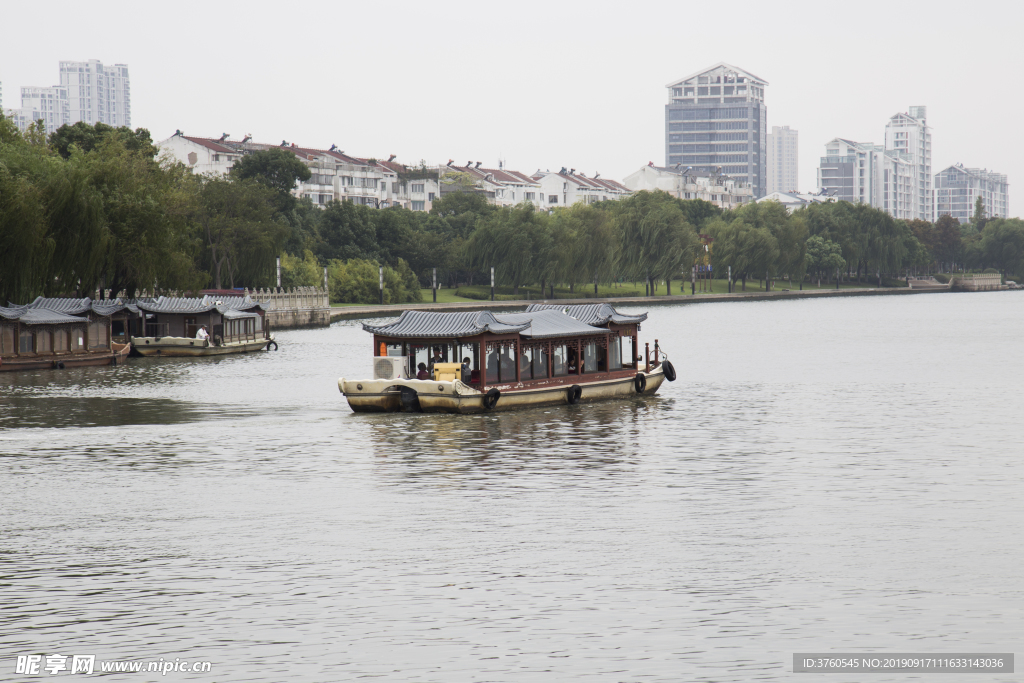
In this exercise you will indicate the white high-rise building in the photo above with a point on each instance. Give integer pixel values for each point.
(782, 173)
(47, 104)
(957, 188)
(908, 134)
(97, 93)
(866, 173)
(88, 91)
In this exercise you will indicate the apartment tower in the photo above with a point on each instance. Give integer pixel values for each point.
(782, 175)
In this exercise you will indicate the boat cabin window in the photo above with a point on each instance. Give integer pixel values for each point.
(390, 350)
(501, 364)
(534, 362)
(77, 339)
(418, 353)
(60, 341)
(26, 342)
(42, 342)
(615, 353)
(191, 328)
(6, 340)
(98, 335)
(590, 356)
(559, 360)
(472, 352)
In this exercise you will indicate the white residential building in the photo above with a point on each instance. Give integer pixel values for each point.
(501, 186)
(908, 134)
(334, 175)
(687, 183)
(797, 200)
(782, 168)
(957, 188)
(567, 187)
(866, 173)
(88, 92)
(97, 93)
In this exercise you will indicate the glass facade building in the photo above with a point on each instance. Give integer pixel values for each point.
(716, 122)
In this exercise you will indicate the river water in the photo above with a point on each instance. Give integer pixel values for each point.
(838, 474)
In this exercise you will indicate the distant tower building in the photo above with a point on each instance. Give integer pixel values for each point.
(47, 104)
(908, 134)
(782, 173)
(866, 173)
(97, 94)
(716, 122)
(957, 188)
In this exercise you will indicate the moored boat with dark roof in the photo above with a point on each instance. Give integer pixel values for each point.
(63, 333)
(234, 324)
(477, 361)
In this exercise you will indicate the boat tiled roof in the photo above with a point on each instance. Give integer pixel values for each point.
(38, 316)
(548, 323)
(454, 324)
(203, 304)
(592, 314)
(70, 306)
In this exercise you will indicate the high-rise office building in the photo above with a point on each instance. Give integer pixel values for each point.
(782, 174)
(715, 122)
(957, 188)
(908, 133)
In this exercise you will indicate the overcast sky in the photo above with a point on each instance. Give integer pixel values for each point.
(539, 84)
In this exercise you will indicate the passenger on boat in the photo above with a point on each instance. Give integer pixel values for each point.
(201, 333)
(436, 358)
(466, 373)
(422, 374)
(572, 362)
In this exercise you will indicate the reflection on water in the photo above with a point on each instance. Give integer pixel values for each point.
(816, 479)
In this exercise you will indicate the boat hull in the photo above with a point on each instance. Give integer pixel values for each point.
(120, 353)
(376, 396)
(185, 347)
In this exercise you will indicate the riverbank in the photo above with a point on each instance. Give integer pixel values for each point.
(377, 311)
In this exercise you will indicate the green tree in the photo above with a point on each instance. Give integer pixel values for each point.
(301, 272)
(241, 231)
(88, 138)
(1002, 245)
(511, 240)
(656, 239)
(824, 257)
(274, 168)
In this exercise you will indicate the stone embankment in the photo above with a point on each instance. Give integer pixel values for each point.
(357, 312)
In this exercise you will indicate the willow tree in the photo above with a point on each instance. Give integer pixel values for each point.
(512, 240)
(656, 239)
(586, 241)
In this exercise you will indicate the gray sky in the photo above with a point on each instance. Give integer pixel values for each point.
(540, 84)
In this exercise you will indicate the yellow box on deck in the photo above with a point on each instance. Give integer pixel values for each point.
(447, 372)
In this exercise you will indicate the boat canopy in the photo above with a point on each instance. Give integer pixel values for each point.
(592, 314)
(186, 305)
(236, 315)
(538, 324)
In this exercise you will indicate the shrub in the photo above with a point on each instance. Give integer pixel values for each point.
(942, 277)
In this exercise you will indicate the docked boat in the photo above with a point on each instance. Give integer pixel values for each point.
(478, 361)
(63, 333)
(234, 325)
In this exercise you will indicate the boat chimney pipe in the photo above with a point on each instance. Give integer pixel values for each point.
(647, 356)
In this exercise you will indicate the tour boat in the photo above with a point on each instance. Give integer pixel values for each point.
(234, 324)
(478, 361)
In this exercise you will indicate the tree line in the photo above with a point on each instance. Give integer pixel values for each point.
(91, 206)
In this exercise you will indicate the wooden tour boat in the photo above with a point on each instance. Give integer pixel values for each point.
(63, 333)
(235, 325)
(471, 362)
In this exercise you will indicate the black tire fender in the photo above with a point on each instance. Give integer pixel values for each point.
(574, 393)
(640, 382)
(669, 370)
(491, 398)
(272, 342)
(59, 365)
